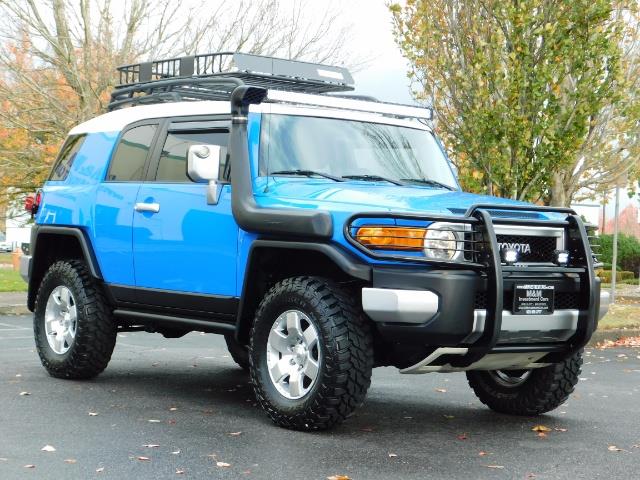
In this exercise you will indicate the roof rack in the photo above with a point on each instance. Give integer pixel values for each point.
(213, 76)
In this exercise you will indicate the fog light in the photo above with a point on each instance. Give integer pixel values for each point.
(561, 257)
(509, 255)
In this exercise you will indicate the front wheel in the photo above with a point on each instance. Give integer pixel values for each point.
(527, 392)
(311, 354)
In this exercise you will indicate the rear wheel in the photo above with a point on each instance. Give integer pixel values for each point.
(311, 354)
(527, 392)
(73, 329)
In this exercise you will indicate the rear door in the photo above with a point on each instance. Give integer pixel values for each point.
(115, 199)
(184, 246)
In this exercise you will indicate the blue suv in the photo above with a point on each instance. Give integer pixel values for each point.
(322, 233)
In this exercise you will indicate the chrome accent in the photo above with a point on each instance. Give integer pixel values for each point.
(60, 320)
(147, 207)
(293, 354)
(349, 104)
(25, 267)
(605, 301)
(399, 306)
(528, 231)
(556, 327)
(504, 379)
(492, 361)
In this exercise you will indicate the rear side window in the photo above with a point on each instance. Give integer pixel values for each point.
(66, 157)
(172, 166)
(128, 161)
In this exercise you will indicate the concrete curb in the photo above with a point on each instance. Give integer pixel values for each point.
(613, 334)
(14, 310)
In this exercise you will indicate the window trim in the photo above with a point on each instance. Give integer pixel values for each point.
(82, 138)
(152, 122)
(179, 124)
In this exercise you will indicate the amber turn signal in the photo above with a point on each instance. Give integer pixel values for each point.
(391, 238)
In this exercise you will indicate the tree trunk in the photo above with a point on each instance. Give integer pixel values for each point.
(559, 197)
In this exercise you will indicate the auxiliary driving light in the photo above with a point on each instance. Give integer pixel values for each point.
(509, 255)
(561, 257)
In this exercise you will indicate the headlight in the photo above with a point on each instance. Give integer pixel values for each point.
(442, 243)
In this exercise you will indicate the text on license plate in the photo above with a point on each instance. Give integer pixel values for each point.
(533, 299)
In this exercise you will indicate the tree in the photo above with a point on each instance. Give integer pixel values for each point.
(58, 59)
(515, 86)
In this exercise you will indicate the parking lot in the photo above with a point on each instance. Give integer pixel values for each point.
(181, 409)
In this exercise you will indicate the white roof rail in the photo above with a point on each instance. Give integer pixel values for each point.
(392, 109)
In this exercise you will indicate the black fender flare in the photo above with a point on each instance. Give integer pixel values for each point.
(345, 261)
(38, 262)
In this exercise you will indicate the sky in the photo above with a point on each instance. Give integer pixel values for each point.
(385, 76)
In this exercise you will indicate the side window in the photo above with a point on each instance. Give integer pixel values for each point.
(127, 163)
(172, 166)
(66, 157)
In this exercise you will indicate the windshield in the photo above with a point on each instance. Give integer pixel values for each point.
(352, 149)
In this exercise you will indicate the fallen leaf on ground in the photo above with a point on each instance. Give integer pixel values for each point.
(153, 420)
(482, 454)
(338, 477)
(151, 445)
(24, 394)
(441, 390)
(143, 459)
(173, 409)
(393, 455)
(100, 470)
(29, 466)
(449, 417)
(223, 464)
(613, 448)
(366, 429)
(70, 460)
(558, 429)
(493, 466)
(48, 448)
(462, 437)
(93, 414)
(541, 428)
(621, 342)
(176, 452)
(179, 472)
(234, 434)
(541, 434)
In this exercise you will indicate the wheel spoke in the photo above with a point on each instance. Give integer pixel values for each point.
(64, 297)
(310, 337)
(293, 324)
(311, 369)
(280, 369)
(295, 383)
(59, 342)
(67, 338)
(278, 341)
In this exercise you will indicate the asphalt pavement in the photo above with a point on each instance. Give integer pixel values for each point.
(180, 408)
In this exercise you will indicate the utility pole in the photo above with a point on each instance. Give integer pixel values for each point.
(614, 259)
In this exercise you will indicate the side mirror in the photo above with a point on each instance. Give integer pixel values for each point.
(203, 165)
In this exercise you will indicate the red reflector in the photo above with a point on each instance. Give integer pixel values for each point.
(28, 203)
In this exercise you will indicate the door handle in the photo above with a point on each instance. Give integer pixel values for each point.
(147, 207)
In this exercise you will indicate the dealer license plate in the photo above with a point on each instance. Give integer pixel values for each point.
(533, 299)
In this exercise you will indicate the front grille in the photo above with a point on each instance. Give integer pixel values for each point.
(530, 248)
(561, 301)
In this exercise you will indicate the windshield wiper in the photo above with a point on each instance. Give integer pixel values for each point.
(428, 181)
(307, 173)
(373, 178)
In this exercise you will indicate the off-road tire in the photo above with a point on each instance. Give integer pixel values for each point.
(239, 352)
(345, 339)
(546, 388)
(95, 332)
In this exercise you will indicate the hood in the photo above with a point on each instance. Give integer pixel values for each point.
(370, 196)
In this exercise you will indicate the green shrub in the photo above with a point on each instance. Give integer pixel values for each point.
(621, 276)
(628, 252)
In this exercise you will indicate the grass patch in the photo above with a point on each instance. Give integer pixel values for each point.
(5, 258)
(621, 316)
(11, 281)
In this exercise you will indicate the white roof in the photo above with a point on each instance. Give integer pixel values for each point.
(118, 119)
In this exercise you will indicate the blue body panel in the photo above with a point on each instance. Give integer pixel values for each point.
(193, 247)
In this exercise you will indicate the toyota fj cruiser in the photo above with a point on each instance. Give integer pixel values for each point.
(322, 233)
